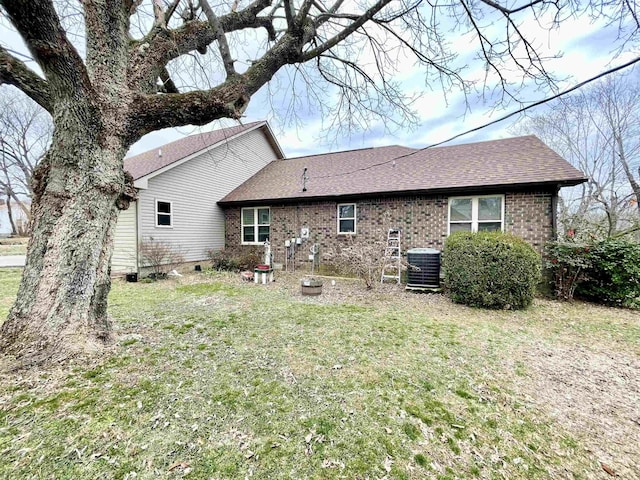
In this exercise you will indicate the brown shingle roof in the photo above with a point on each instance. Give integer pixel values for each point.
(148, 162)
(513, 161)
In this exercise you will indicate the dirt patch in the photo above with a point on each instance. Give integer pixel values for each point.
(594, 395)
(350, 290)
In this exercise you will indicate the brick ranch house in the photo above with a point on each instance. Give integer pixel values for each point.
(510, 185)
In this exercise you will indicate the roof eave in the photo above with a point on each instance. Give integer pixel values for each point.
(550, 185)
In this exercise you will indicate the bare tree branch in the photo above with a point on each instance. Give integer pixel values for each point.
(597, 130)
(218, 32)
(158, 13)
(511, 11)
(170, 11)
(167, 83)
(154, 52)
(106, 30)
(332, 42)
(229, 99)
(289, 13)
(39, 25)
(16, 73)
(25, 132)
(226, 101)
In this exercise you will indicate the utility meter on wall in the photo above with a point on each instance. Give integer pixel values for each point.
(304, 232)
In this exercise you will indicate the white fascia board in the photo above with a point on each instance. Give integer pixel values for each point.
(280, 152)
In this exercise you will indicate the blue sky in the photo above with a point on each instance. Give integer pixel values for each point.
(587, 47)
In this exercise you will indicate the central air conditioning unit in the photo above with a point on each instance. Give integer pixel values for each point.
(428, 261)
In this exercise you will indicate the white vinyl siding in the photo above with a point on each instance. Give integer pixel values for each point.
(125, 242)
(478, 213)
(194, 187)
(347, 219)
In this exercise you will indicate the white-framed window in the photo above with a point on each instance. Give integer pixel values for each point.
(347, 218)
(476, 214)
(164, 213)
(256, 225)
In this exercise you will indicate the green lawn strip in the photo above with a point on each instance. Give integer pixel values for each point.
(9, 280)
(558, 323)
(13, 249)
(225, 380)
(614, 327)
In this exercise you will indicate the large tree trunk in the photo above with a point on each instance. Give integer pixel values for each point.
(61, 306)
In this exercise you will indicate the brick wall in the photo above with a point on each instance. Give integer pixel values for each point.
(530, 216)
(423, 220)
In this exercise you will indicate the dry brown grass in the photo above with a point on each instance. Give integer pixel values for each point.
(215, 378)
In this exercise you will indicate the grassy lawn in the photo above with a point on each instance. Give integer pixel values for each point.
(13, 246)
(212, 378)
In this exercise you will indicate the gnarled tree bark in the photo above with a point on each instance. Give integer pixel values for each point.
(61, 306)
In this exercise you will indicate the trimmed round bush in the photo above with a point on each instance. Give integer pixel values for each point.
(491, 270)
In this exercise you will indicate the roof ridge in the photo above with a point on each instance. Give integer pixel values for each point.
(346, 151)
(193, 135)
(493, 140)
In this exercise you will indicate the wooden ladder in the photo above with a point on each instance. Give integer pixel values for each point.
(392, 257)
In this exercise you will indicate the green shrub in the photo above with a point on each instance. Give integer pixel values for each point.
(613, 276)
(569, 265)
(490, 269)
(605, 272)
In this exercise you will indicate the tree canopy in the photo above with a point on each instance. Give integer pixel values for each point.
(213, 58)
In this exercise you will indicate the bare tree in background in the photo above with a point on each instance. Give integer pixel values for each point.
(598, 131)
(115, 70)
(25, 134)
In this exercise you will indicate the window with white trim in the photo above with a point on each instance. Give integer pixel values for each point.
(476, 214)
(256, 225)
(164, 214)
(347, 218)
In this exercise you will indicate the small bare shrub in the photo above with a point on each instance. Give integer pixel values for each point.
(251, 257)
(236, 259)
(364, 259)
(159, 257)
(223, 260)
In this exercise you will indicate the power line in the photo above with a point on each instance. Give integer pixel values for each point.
(509, 115)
